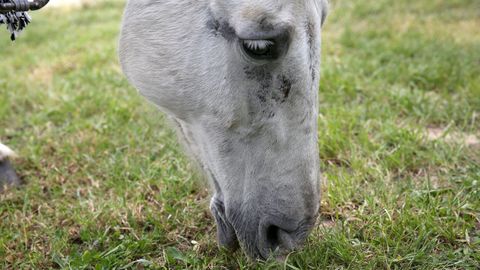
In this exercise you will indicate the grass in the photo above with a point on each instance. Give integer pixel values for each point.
(107, 186)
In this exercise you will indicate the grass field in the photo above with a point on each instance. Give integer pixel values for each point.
(106, 184)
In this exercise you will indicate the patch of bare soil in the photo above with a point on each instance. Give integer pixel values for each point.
(469, 140)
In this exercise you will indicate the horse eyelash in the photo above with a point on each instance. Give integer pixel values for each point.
(258, 44)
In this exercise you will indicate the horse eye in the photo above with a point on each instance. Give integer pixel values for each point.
(260, 49)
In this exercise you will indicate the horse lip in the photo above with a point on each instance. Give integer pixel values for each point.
(226, 234)
(228, 237)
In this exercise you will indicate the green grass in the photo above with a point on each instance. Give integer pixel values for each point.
(107, 186)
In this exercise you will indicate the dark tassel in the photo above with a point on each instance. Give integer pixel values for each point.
(15, 21)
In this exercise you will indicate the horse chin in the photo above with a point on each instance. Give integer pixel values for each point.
(226, 235)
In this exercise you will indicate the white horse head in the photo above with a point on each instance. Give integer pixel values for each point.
(240, 79)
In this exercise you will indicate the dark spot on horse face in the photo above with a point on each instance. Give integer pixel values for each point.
(310, 34)
(310, 30)
(311, 37)
(262, 96)
(221, 28)
(259, 74)
(285, 86)
(265, 25)
(263, 77)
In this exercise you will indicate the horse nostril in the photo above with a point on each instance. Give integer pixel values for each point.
(273, 237)
(278, 240)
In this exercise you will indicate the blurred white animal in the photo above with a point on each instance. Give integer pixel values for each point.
(7, 173)
(5, 152)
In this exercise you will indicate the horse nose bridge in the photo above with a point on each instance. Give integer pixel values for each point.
(290, 205)
(256, 11)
